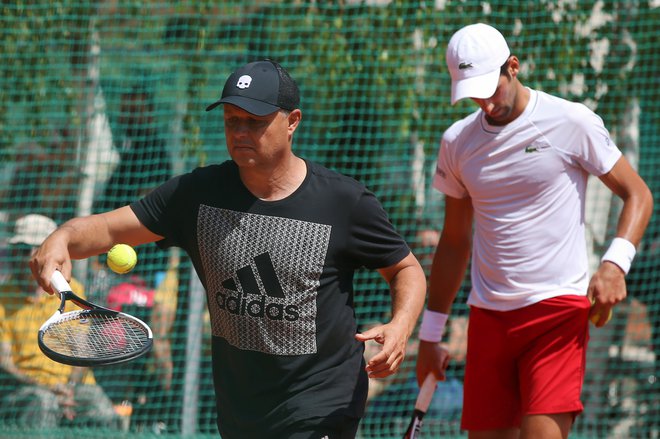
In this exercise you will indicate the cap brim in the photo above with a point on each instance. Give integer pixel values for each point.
(480, 87)
(20, 239)
(252, 106)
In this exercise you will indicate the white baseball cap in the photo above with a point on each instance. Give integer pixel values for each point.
(32, 229)
(474, 57)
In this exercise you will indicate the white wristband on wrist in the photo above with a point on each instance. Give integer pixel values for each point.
(621, 252)
(433, 325)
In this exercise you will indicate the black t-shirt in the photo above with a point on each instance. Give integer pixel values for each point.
(279, 282)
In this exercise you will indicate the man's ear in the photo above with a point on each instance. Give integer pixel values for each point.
(294, 119)
(513, 66)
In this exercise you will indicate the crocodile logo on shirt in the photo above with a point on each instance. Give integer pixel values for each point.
(536, 147)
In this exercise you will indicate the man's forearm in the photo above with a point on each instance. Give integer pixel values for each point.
(447, 273)
(634, 218)
(408, 291)
(84, 237)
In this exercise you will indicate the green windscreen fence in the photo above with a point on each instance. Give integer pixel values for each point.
(100, 101)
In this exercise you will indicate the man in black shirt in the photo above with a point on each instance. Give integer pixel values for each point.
(275, 240)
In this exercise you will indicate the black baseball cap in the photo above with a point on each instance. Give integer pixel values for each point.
(260, 88)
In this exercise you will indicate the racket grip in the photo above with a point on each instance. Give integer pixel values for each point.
(59, 283)
(426, 393)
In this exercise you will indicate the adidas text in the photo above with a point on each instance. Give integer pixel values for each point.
(257, 308)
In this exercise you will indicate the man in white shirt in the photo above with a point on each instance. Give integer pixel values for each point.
(516, 170)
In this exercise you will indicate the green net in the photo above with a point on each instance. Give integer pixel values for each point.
(102, 100)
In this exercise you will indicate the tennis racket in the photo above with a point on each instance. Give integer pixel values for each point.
(93, 335)
(421, 406)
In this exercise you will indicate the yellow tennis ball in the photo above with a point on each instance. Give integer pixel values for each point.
(121, 258)
(594, 318)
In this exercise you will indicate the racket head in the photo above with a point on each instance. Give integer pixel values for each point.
(94, 337)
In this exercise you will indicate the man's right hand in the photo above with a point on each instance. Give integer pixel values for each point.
(53, 254)
(431, 358)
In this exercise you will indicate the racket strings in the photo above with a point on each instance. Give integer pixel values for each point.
(89, 335)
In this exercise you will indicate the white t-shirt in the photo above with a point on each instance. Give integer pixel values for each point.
(527, 181)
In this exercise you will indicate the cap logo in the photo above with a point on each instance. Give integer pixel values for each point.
(244, 82)
(465, 65)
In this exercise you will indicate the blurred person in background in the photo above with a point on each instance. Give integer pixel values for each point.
(40, 393)
(144, 163)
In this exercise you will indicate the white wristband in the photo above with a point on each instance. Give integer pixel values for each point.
(621, 252)
(433, 325)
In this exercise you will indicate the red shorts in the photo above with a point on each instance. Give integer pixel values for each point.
(523, 362)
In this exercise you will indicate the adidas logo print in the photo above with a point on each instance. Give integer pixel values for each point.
(252, 302)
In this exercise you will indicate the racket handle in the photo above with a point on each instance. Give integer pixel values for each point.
(59, 283)
(426, 393)
(422, 403)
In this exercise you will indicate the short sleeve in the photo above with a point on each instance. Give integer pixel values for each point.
(374, 242)
(161, 209)
(590, 145)
(446, 178)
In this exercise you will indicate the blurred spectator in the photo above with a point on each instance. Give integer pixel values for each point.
(144, 384)
(144, 163)
(41, 179)
(643, 331)
(644, 283)
(162, 320)
(41, 393)
(131, 384)
(143, 387)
